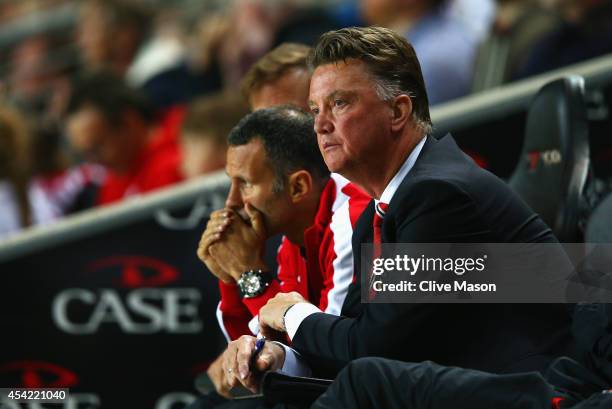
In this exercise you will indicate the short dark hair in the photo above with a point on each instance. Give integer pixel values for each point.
(289, 140)
(388, 56)
(110, 95)
(214, 116)
(274, 65)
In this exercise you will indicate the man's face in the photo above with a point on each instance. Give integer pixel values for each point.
(253, 182)
(352, 123)
(201, 154)
(93, 137)
(291, 88)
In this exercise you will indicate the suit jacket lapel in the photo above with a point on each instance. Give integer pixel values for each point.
(362, 233)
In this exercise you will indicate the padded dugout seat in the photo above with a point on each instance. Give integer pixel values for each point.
(552, 171)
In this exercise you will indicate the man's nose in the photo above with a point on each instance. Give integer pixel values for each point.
(323, 124)
(234, 198)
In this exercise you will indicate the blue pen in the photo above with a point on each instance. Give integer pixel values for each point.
(259, 345)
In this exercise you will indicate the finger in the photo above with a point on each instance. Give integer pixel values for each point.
(205, 239)
(243, 357)
(264, 361)
(205, 234)
(222, 214)
(204, 250)
(231, 380)
(218, 225)
(225, 386)
(211, 240)
(228, 370)
(225, 361)
(211, 230)
(251, 382)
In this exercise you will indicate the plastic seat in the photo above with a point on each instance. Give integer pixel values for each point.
(552, 171)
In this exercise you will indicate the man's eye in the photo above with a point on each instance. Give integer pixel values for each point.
(339, 102)
(315, 111)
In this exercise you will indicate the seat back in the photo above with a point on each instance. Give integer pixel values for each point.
(599, 227)
(552, 171)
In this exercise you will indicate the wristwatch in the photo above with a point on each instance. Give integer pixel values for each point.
(253, 283)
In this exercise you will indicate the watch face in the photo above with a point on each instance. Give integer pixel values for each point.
(252, 284)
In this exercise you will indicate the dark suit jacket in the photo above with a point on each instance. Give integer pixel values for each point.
(445, 198)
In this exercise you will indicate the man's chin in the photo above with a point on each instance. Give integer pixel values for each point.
(333, 167)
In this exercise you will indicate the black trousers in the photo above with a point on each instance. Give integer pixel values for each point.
(377, 383)
(371, 383)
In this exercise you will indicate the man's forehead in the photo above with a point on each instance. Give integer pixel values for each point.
(339, 78)
(290, 88)
(245, 158)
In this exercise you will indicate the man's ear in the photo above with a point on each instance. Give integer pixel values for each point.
(299, 185)
(402, 112)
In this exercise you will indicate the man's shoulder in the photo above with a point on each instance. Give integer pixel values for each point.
(442, 168)
(447, 188)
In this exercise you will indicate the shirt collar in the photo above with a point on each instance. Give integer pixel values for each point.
(391, 188)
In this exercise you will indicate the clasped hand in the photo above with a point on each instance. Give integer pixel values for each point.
(230, 245)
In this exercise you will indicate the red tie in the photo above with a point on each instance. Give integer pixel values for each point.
(379, 213)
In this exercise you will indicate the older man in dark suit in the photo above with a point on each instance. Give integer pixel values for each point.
(372, 122)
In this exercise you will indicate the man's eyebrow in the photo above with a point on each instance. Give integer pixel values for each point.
(332, 95)
(239, 177)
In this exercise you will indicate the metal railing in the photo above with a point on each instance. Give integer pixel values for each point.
(514, 97)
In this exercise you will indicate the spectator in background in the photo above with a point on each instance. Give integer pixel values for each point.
(586, 33)
(518, 25)
(109, 34)
(169, 66)
(475, 15)
(39, 68)
(112, 124)
(446, 49)
(204, 132)
(39, 86)
(236, 40)
(279, 77)
(147, 49)
(22, 201)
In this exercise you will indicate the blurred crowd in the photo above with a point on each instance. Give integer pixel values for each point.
(105, 99)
